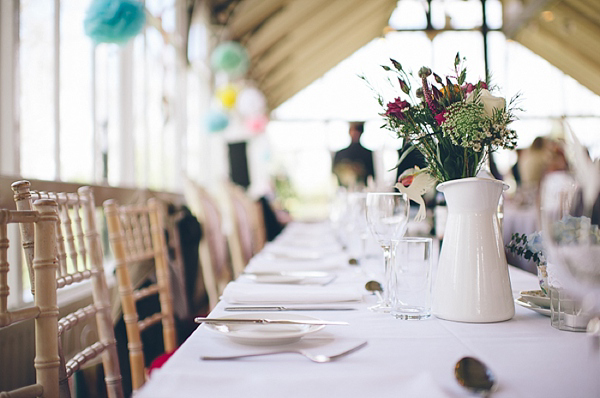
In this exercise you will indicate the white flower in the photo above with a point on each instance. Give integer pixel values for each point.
(488, 100)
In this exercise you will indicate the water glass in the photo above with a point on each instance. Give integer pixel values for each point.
(411, 288)
(356, 226)
(567, 313)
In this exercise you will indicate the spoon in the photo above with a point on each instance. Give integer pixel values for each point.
(475, 376)
(375, 287)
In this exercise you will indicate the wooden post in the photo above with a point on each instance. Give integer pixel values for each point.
(47, 358)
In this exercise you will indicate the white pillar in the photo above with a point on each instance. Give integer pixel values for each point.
(9, 99)
(126, 156)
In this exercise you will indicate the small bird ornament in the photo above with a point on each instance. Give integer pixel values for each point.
(415, 182)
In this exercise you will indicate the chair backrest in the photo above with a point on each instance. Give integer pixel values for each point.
(136, 234)
(80, 258)
(42, 222)
(249, 235)
(213, 248)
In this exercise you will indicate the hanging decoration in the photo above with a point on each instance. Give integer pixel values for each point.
(216, 120)
(114, 21)
(230, 57)
(227, 95)
(257, 124)
(251, 102)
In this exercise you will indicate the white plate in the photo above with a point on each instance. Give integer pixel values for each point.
(526, 304)
(265, 334)
(536, 297)
(315, 277)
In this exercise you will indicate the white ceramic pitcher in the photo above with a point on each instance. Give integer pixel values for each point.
(472, 282)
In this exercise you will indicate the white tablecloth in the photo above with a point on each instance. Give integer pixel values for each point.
(402, 359)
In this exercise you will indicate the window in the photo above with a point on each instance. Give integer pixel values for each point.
(106, 113)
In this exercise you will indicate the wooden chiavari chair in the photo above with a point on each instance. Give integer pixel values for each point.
(136, 234)
(80, 258)
(42, 223)
(213, 248)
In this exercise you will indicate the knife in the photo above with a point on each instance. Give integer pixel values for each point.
(268, 321)
(300, 274)
(282, 308)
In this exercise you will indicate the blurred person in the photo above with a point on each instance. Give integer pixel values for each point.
(558, 159)
(515, 168)
(354, 165)
(534, 162)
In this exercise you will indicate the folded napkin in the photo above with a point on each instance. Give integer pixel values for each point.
(248, 293)
(295, 252)
(317, 243)
(266, 263)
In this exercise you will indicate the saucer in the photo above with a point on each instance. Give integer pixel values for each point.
(265, 334)
(526, 304)
(536, 297)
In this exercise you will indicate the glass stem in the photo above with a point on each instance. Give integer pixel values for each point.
(389, 255)
(363, 248)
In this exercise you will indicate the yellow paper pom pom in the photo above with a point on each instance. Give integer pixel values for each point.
(227, 95)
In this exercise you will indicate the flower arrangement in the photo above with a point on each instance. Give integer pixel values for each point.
(453, 123)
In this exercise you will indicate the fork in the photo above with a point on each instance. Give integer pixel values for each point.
(318, 358)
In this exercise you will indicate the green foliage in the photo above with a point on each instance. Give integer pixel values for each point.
(519, 245)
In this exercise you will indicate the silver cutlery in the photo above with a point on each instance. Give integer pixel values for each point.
(475, 376)
(268, 321)
(318, 358)
(283, 308)
(299, 274)
(375, 287)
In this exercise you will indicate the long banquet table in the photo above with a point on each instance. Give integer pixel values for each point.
(402, 358)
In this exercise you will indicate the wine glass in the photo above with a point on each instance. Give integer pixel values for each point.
(356, 227)
(569, 217)
(387, 218)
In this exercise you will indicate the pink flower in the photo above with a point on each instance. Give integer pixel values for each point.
(397, 108)
(440, 118)
(468, 88)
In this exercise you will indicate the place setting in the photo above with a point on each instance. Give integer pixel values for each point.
(290, 277)
(258, 334)
(266, 328)
(535, 300)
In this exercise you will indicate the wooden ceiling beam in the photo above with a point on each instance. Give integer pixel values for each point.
(513, 23)
(359, 24)
(311, 29)
(281, 24)
(580, 32)
(586, 8)
(249, 14)
(561, 54)
(312, 68)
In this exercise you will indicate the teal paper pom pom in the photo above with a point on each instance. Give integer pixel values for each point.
(114, 21)
(216, 121)
(230, 57)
